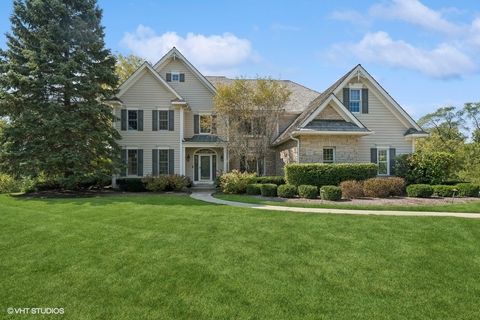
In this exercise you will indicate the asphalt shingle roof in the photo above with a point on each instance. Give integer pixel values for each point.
(204, 138)
(333, 125)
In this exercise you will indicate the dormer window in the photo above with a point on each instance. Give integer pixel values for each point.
(355, 100)
(175, 76)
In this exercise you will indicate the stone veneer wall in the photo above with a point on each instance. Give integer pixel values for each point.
(346, 148)
(286, 153)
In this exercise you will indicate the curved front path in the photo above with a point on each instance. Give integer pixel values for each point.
(207, 197)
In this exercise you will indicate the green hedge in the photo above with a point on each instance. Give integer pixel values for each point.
(467, 190)
(268, 190)
(254, 189)
(441, 190)
(131, 184)
(278, 180)
(287, 191)
(332, 193)
(420, 190)
(307, 191)
(321, 174)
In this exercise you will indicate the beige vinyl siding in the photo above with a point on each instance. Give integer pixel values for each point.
(195, 93)
(149, 94)
(329, 113)
(388, 129)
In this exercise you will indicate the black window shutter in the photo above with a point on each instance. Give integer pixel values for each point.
(169, 77)
(214, 124)
(171, 163)
(124, 163)
(346, 98)
(364, 100)
(155, 162)
(214, 167)
(196, 129)
(140, 120)
(140, 162)
(154, 120)
(195, 167)
(171, 120)
(392, 156)
(123, 120)
(182, 77)
(373, 155)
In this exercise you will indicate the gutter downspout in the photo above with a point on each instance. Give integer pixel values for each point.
(298, 146)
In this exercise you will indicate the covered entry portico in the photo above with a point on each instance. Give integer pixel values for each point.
(204, 161)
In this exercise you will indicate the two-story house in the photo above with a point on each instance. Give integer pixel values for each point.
(167, 123)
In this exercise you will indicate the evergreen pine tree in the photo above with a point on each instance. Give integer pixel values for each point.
(54, 78)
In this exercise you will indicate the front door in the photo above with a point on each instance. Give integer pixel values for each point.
(205, 168)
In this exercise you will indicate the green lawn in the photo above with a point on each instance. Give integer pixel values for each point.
(471, 207)
(172, 257)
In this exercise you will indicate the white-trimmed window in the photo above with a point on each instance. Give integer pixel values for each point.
(355, 100)
(132, 119)
(205, 123)
(383, 161)
(175, 76)
(328, 155)
(132, 162)
(163, 120)
(163, 164)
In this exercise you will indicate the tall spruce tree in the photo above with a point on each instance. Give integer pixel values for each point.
(54, 79)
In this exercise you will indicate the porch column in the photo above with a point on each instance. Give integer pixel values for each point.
(225, 160)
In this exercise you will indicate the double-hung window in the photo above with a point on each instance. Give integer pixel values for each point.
(132, 119)
(382, 161)
(175, 76)
(355, 100)
(163, 164)
(132, 162)
(329, 155)
(205, 124)
(163, 119)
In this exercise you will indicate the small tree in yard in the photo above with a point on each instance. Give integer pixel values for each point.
(250, 111)
(53, 78)
(126, 66)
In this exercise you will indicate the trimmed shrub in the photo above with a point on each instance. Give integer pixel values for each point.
(322, 174)
(268, 190)
(156, 184)
(131, 184)
(236, 181)
(9, 184)
(287, 191)
(384, 187)
(254, 189)
(352, 189)
(425, 167)
(441, 190)
(332, 193)
(278, 180)
(467, 190)
(420, 190)
(307, 191)
(178, 182)
(161, 183)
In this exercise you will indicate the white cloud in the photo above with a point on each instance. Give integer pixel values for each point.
(444, 61)
(351, 16)
(475, 33)
(415, 12)
(213, 53)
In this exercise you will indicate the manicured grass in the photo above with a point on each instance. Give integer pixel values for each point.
(171, 257)
(471, 207)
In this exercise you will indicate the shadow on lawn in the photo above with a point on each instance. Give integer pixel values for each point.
(103, 199)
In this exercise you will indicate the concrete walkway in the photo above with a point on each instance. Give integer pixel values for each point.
(207, 197)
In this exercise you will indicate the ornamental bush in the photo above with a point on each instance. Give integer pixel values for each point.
(307, 191)
(178, 182)
(352, 189)
(278, 180)
(384, 187)
(287, 191)
(254, 189)
(441, 190)
(268, 190)
(173, 182)
(332, 193)
(8, 184)
(236, 181)
(467, 190)
(155, 184)
(131, 184)
(420, 190)
(322, 174)
(425, 167)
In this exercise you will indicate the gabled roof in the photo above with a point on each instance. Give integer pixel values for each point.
(299, 99)
(175, 53)
(203, 138)
(333, 126)
(135, 76)
(312, 107)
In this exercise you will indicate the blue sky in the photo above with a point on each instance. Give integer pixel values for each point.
(425, 53)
